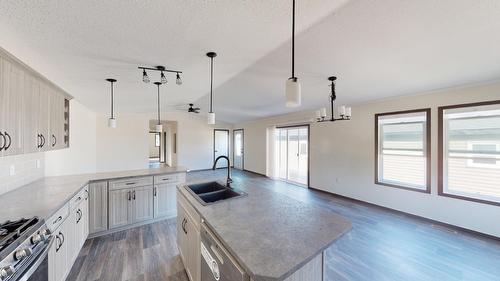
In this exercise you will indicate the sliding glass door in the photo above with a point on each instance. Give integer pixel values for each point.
(293, 146)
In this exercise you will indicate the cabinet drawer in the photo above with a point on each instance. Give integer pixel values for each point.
(130, 183)
(78, 198)
(170, 178)
(58, 218)
(190, 210)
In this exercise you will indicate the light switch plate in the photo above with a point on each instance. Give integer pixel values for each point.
(38, 163)
(12, 170)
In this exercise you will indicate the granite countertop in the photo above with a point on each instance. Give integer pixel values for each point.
(44, 197)
(269, 233)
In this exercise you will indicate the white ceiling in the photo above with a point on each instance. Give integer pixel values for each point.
(378, 49)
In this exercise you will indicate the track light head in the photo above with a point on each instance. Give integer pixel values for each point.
(163, 78)
(145, 77)
(178, 80)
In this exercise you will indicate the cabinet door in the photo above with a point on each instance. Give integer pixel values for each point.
(119, 201)
(193, 256)
(165, 200)
(31, 113)
(44, 116)
(142, 203)
(98, 207)
(181, 235)
(12, 101)
(56, 123)
(85, 216)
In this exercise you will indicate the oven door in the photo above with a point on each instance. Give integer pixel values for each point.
(38, 269)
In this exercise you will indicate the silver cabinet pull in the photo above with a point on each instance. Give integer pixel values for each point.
(57, 220)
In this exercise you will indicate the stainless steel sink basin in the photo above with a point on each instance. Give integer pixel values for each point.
(213, 192)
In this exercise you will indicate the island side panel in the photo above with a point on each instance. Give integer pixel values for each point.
(311, 271)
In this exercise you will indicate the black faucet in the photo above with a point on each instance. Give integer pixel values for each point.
(229, 180)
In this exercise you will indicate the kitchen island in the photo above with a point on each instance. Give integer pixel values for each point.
(269, 235)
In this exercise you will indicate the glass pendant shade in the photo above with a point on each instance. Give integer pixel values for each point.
(211, 118)
(112, 123)
(145, 77)
(159, 128)
(293, 92)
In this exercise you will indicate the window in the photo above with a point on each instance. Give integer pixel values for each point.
(157, 140)
(469, 152)
(403, 149)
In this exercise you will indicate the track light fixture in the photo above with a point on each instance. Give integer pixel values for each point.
(163, 78)
(162, 70)
(178, 80)
(145, 77)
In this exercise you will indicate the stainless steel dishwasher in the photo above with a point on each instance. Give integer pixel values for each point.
(216, 263)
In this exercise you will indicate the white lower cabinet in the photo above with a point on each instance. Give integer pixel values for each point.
(188, 238)
(69, 236)
(130, 205)
(165, 200)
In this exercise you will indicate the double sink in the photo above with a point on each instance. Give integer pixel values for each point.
(213, 192)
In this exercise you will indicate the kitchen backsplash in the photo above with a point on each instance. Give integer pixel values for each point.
(16, 171)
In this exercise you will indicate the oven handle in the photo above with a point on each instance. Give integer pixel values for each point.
(37, 262)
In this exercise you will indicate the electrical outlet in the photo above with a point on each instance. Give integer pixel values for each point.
(12, 170)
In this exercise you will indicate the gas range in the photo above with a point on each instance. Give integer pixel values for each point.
(24, 243)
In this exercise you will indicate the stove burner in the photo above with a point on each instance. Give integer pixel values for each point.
(11, 230)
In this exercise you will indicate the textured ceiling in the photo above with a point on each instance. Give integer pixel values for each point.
(378, 49)
(77, 44)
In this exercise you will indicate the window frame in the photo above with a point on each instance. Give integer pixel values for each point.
(427, 152)
(441, 191)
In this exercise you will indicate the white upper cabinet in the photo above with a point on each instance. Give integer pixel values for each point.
(34, 113)
(11, 111)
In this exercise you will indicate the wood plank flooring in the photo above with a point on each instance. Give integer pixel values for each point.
(383, 245)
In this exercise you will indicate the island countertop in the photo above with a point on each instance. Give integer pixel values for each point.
(270, 234)
(43, 197)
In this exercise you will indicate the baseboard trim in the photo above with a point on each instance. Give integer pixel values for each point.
(252, 172)
(126, 227)
(455, 227)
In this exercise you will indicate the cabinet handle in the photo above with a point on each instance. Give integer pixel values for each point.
(87, 195)
(80, 215)
(43, 140)
(63, 239)
(3, 145)
(57, 220)
(166, 179)
(129, 195)
(58, 243)
(184, 222)
(55, 140)
(154, 191)
(133, 194)
(10, 141)
(130, 183)
(39, 140)
(185, 226)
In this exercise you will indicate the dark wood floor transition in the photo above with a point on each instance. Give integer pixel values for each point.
(382, 245)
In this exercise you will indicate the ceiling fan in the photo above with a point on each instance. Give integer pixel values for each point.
(193, 110)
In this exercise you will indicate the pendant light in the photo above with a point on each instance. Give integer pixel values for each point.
(112, 120)
(293, 90)
(211, 113)
(159, 127)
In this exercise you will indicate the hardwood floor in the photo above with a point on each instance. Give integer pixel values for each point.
(383, 245)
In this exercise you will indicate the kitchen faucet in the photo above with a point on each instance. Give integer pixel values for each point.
(229, 180)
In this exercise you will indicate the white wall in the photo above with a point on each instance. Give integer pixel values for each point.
(342, 159)
(125, 147)
(80, 157)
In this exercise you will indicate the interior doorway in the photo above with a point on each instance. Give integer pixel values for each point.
(155, 148)
(221, 146)
(292, 144)
(238, 149)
